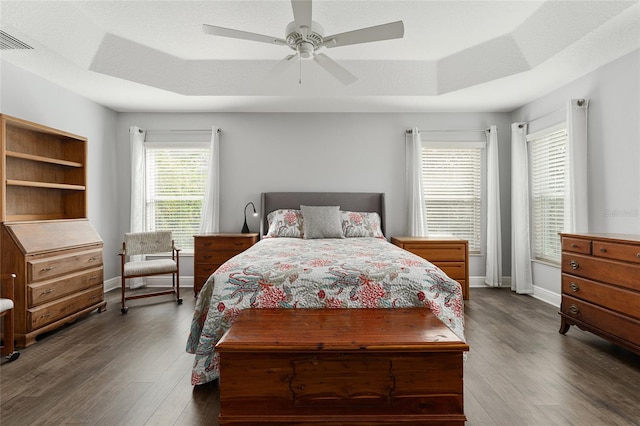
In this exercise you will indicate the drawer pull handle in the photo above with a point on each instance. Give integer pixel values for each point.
(238, 244)
(93, 297)
(93, 259)
(603, 250)
(574, 309)
(574, 245)
(574, 264)
(50, 268)
(48, 291)
(574, 287)
(638, 255)
(47, 315)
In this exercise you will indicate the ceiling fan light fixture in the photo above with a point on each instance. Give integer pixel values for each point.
(305, 41)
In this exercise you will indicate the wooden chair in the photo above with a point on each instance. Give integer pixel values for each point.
(7, 304)
(146, 243)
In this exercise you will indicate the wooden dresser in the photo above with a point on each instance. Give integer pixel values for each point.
(212, 250)
(450, 255)
(601, 286)
(341, 367)
(59, 273)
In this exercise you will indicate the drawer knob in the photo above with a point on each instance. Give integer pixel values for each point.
(574, 309)
(638, 255)
(574, 264)
(603, 250)
(574, 287)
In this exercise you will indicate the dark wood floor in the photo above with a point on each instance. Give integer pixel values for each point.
(114, 369)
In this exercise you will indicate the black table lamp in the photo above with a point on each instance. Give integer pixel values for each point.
(245, 228)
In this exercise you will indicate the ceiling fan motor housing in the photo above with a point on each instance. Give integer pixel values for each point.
(305, 45)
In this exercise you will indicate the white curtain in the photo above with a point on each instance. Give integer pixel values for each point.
(417, 225)
(521, 276)
(210, 212)
(493, 274)
(137, 220)
(576, 218)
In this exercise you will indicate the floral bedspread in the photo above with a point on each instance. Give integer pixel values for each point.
(323, 273)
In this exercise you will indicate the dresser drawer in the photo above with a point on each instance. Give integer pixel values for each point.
(53, 311)
(611, 297)
(49, 267)
(610, 322)
(231, 244)
(46, 291)
(438, 252)
(455, 270)
(608, 271)
(625, 252)
(576, 245)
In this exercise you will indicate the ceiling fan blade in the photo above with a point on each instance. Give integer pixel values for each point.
(283, 65)
(335, 69)
(365, 35)
(302, 13)
(243, 35)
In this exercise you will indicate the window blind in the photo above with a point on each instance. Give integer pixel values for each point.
(174, 189)
(547, 176)
(452, 193)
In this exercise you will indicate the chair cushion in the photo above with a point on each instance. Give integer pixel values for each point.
(150, 267)
(6, 304)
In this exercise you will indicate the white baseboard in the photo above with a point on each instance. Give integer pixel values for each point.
(538, 292)
(163, 281)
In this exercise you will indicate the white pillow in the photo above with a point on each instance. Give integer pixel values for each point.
(322, 222)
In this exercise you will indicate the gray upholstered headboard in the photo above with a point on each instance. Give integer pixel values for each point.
(351, 201)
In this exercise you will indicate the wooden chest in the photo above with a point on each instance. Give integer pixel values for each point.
(341, 366)
(601, 286)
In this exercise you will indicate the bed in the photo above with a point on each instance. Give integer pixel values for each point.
(289, 269)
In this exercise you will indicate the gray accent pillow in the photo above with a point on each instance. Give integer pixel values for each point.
(322, 222)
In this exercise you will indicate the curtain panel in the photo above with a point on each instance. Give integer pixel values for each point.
(521, 275)
(417, 224)
(210, 212)
(493, 272)
(137, 219)
(576, 208)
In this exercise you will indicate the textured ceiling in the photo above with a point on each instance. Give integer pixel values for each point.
(454, 56)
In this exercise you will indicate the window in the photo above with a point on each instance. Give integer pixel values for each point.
(546, 166)
(174, 189)
(451, 178)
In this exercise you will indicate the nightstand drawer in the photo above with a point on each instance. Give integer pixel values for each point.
(216, 256)
(236, 244)
(438, 252)
(455, 270)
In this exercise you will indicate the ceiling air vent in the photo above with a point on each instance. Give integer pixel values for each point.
(8, 42)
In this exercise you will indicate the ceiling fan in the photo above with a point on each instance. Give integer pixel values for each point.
(305, 37)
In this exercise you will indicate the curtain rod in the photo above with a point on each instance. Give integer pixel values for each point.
(580, 102)
(181, 130)
(410, 131)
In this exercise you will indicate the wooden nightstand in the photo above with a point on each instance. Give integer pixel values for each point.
(212, 250)
(450, 255)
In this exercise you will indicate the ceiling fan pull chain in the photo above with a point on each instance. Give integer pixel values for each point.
(300, 72)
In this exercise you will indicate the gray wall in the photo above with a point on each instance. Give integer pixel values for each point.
(314, 152)
(613, 152)
(27, 96)
(343, 152)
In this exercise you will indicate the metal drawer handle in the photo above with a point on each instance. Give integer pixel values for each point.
(603, 250)
(93, 259)
(48, 291)
(50, 268)
(47, 315)
(574, 287)
(638, 255)
(574, 245)
(93, 297)
(574, 264)
(574, 309)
